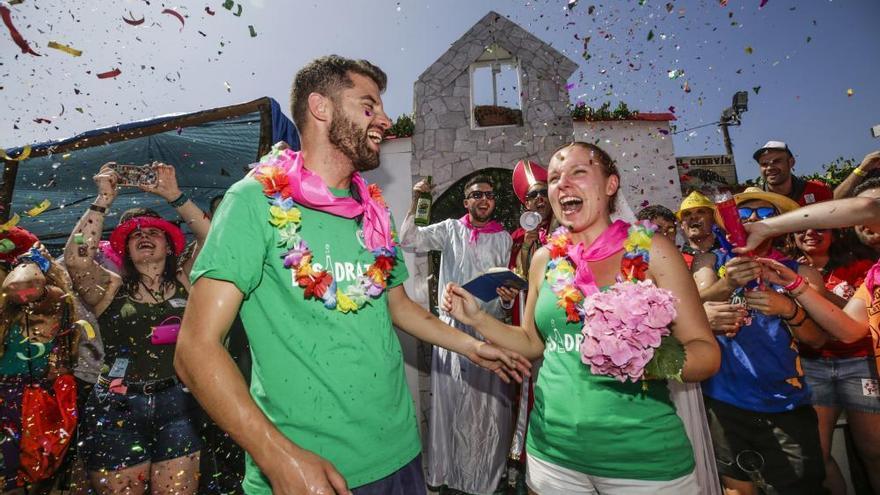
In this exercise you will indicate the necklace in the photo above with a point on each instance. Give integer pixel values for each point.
(157, 294)
(284, 215)
(561, 268)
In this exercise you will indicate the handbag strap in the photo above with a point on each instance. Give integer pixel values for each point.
(163, 322)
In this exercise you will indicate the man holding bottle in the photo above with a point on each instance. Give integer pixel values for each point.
(471, 411)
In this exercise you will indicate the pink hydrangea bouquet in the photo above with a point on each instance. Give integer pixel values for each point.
(626, 333)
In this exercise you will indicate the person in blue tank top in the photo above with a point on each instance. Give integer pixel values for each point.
(763, 429)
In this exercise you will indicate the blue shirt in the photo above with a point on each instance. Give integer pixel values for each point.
(760, 367)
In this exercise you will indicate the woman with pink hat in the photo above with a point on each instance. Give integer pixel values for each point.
(142, 423)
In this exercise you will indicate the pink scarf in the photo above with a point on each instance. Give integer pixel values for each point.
(308, 189)
(610, 242)
(491, 227)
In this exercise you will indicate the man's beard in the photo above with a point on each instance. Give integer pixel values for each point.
(475, 215)
(352, 142)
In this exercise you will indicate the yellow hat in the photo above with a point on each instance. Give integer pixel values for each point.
(694, 200)
(780, 202)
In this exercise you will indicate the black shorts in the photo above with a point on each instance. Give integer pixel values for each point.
(788, 442)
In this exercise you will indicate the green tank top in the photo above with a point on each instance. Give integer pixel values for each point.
(595, 424)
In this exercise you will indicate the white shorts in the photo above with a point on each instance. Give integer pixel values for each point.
(545, 478)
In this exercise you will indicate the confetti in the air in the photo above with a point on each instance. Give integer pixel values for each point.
(65, 48)
(16, 36)
(177, 15)
(109, 74)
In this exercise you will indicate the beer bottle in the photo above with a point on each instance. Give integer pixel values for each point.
(423, 207)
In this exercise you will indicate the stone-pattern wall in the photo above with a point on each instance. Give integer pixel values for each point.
(445, 145)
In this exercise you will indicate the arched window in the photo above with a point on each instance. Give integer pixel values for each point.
(496, 99)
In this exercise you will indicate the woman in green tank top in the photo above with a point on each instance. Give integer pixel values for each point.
(591, 433)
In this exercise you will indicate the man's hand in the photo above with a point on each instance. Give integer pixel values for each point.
(725, 318)
(871, 161)
(506, 364)
(300, 472)
(507, 295)
(531, 237)
(166, 182)
(771, 303)
(420, 187)
(741, 270)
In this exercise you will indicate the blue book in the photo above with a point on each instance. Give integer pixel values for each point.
(485, 286)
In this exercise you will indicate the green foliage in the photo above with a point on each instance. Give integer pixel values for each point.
(835, 171)
(402, 127)
(581, 112)
(668, 360)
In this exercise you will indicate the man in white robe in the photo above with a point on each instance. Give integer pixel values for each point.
(471, 417)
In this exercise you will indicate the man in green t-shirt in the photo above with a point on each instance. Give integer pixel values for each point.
(305, 249)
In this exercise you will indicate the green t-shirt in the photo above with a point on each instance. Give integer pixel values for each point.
(333, 383)
(595, 424)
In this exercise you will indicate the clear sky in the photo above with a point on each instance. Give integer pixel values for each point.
(796, 58)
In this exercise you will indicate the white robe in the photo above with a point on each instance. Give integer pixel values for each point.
(470, 422)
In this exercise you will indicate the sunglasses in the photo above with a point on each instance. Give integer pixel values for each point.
(763, 212)
(481, 195)
(535, 193)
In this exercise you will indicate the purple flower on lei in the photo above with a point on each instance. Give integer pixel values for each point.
(295, 254)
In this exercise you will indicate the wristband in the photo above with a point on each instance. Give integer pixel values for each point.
(858, 171)
(177, 203)
(799, 290)
(801, 322)
(98, 208)
(794, 285)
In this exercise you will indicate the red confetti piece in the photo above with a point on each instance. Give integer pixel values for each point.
(209, 11)
(109, 74)
(176, 14)
(41, 120)
(763, 3)
(133, 21)
(16, 36)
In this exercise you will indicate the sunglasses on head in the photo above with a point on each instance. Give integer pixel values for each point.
(481, 195)
(533, 194)
(763, 212)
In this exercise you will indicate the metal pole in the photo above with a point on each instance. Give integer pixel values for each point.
(728, 146)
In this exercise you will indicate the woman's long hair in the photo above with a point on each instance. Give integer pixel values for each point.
(131, 277)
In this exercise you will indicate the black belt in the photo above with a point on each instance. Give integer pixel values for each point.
(145, 388)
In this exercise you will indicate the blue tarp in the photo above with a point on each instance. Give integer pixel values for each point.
(208, 159)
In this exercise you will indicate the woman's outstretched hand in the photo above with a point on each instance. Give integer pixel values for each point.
(757, 232)
(776, 272)
(460, 304)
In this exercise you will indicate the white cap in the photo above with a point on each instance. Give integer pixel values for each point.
(772, 145)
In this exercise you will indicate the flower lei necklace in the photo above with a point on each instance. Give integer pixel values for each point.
(561, 270)
(275, 175)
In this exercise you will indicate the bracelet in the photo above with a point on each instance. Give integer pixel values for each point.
(794, 285)
(177, 203)
(799, 290)
(98, 208)
(799, 323)
(788, 318)
(858, 171)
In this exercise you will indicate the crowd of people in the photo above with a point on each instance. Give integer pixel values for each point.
(121, 362)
